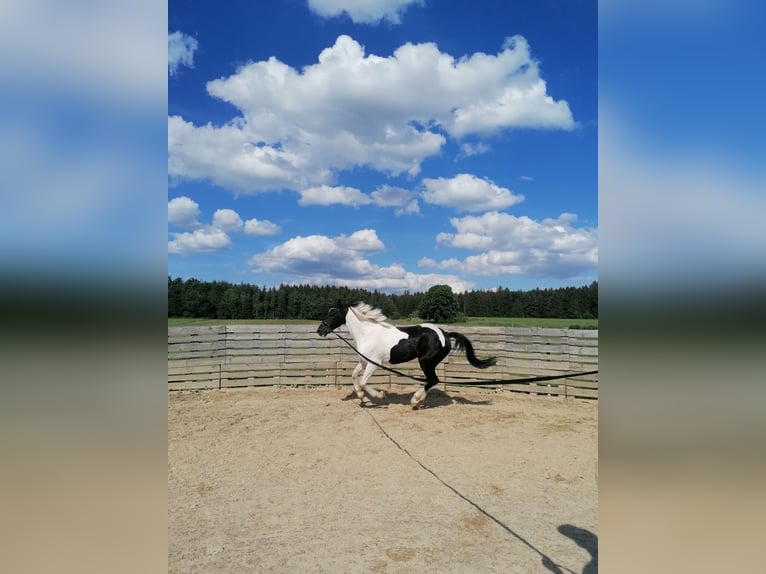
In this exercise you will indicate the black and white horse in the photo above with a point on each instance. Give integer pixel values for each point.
(384, 343)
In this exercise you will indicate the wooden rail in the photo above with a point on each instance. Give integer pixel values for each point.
(214, 357)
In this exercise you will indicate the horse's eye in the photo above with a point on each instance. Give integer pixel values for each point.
(333, 311)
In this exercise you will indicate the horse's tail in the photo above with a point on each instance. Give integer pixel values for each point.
(462, 343)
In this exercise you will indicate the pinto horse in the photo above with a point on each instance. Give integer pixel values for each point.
(382, 342)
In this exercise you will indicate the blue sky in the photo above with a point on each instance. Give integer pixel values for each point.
(395, 146)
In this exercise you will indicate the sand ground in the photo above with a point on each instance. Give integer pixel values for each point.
(304, 480)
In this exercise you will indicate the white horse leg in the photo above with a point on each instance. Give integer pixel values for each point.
(367, 374)
(355, 379)
(418, 398)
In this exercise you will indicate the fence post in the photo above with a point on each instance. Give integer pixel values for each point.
(225, 353)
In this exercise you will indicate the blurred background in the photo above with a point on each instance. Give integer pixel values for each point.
(682, 269)
(83, 188)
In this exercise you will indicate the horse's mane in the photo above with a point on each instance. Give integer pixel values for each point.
(370, 313)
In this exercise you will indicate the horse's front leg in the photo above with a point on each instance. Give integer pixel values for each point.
(365, 377)
(355, 379)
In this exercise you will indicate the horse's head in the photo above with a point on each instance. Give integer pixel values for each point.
(335, 317)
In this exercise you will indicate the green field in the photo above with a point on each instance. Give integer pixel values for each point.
(470, 322)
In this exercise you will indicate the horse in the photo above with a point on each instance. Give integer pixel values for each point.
(382, 342)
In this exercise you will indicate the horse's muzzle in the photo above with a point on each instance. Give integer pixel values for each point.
(323, 329)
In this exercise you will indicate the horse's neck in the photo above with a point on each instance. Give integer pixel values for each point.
(356, 326)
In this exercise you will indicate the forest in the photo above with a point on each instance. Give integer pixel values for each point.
(223, 300)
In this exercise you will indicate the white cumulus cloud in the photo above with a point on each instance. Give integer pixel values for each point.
(227, 219)
(208, 239)
(329, 195)
(521, 246)
(261, 227)
(468, 149)
(362, 240)
(297, 129)
(183, 211)
(469, 193)
(316, 255)
(402, 199)
(363, 11)
(343, 260)
(228, 157)
(181, 48)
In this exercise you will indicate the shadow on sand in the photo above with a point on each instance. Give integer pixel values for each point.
(435, 398)
(584, 539)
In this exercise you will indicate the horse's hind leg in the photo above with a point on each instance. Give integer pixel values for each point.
(420, 395)
(418, 398)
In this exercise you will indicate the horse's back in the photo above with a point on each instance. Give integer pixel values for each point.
(380, 341)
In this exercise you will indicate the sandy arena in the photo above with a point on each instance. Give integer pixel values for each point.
(304, 480)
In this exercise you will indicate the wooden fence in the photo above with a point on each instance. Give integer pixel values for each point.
(214, 357)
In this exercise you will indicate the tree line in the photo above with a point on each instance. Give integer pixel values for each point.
(224, 300)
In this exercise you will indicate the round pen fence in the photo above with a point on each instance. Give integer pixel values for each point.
(220, 356)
